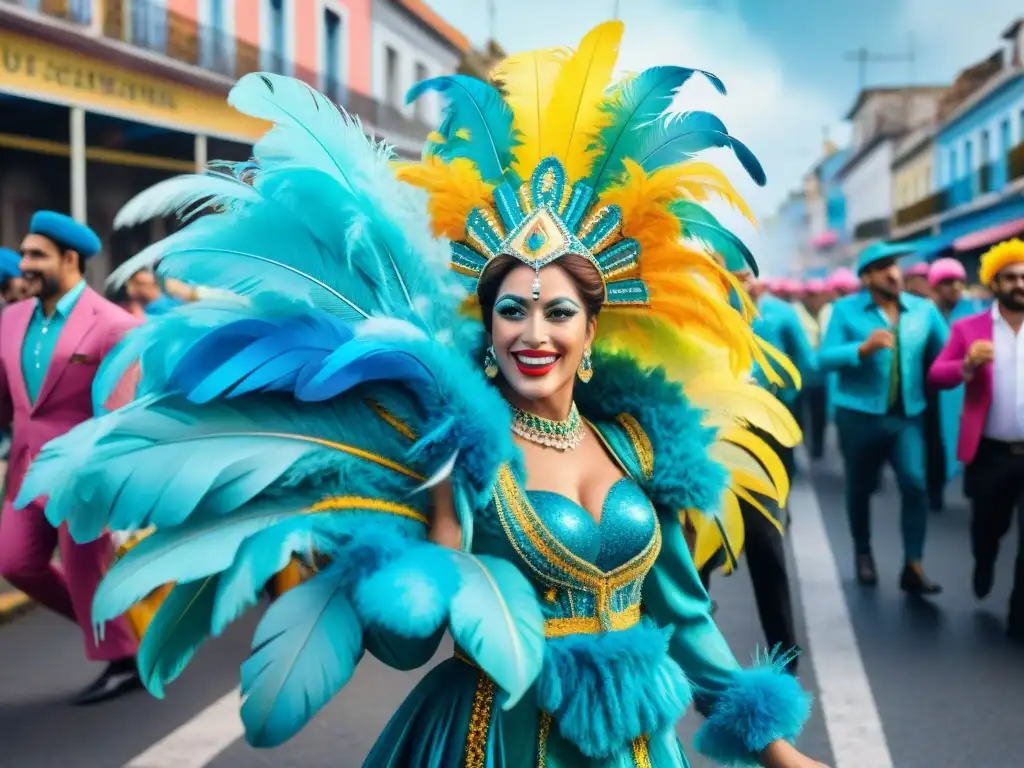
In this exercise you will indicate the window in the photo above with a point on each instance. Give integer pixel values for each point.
(332, 55)
(217, 16)
(421, 103)
(953, 171)
(985, 156)
(1004, 138)
(968, 157)
(391, 87)
(277, 46)
(216, 49)
(149, 26)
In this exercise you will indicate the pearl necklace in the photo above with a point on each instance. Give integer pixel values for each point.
(561, 435)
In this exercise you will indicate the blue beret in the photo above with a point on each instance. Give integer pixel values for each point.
(10, 264)
(66, 231)
(879, 252)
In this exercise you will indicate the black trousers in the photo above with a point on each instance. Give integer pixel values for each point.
(994, 481)
(766, 560)
(936, 455)
(811, 412)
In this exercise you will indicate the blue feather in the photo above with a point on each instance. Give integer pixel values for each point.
(174, 196)
(257, 561)
(699, 224)
(176, 632)
(479, 108)
(681, 137)
(496, 620)
(641, 100)
(304, 651)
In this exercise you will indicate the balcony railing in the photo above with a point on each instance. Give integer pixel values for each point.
(932, 205)
(149, 25)
(77, 11)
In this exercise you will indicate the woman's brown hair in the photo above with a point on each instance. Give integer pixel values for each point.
(581, 271)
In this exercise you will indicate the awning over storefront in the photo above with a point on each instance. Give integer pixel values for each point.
(989, 236)
(927, 248)
(978, 221)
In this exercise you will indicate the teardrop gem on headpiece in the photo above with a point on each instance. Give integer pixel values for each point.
(536, 240)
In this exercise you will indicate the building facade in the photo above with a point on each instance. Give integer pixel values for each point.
(881, 118)
(411, 43)
(101, 98)
(976, 158)
(826, 209)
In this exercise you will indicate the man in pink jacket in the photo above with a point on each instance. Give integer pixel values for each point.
(50, 349)
(985, 352)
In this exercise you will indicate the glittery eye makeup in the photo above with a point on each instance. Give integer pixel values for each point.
(510, 306)
(562, 309)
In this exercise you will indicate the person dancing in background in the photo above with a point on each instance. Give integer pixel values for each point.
(947, 280)
(880, 342)
(811, 403)
(915, 279)
(514, 473)
(50, 351)
(983, 357)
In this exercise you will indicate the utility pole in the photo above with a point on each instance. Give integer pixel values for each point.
(863, 57)
(492, 19)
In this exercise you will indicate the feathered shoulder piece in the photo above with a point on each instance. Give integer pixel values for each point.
(556, 158)
(691, 448)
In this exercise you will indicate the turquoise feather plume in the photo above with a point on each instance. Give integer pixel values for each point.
(304, 651)
(680, 137)
(641, 100)
(496, 620)
(699, 224)
(478, 108)
(176, 632)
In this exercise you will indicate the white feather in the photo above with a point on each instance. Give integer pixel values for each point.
(174, 195)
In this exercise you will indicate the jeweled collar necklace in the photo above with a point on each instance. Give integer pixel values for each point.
(561, 435)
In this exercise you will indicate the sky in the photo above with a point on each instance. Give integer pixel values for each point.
(783, 61)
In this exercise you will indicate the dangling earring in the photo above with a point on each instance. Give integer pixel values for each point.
(490, 363)
(585, 370)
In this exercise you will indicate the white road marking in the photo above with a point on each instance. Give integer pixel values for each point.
(198, 742)
(851, 715)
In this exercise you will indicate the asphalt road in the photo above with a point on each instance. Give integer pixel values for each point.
(946, 686)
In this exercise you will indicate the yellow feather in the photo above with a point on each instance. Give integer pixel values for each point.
(793, 379)
(764, 456)
(574, 116)
(528, 80)
(700, 182)
(732, 526)
(744, 495)
(743, 467)
(454, 190)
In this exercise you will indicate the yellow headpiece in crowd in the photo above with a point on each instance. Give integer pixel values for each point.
(998, 257)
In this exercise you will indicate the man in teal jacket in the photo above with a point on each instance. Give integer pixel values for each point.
(881, 342)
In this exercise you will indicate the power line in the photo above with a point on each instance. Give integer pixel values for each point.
(862, 57)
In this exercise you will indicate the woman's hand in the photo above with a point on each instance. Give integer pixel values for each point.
(445, 528)
(782, 754)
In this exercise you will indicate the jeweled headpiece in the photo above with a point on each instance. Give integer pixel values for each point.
(562, 161)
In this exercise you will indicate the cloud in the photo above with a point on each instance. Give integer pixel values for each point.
(944, 37)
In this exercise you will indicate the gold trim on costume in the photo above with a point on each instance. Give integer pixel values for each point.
(542, 739)
(342, 503)
(641, 754)
(475, 753)
(641, 443)
(391, 420)
(591, 625)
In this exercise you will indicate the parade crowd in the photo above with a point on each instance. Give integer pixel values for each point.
(911, 370)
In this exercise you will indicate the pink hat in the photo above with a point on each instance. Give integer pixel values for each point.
(815, 285)
(920, 269)
(946, 269)
(843, 280)
(792, 285)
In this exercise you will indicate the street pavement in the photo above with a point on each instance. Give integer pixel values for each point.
(898, 683)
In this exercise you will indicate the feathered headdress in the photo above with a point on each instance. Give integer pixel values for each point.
(998, 257)
(561, 160)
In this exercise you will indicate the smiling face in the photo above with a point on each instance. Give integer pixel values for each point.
(49, 269)
(539, 343)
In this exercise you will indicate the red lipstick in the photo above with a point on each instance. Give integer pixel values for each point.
(535, 362)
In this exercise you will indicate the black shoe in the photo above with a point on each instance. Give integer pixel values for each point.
(119, 678)
(867, 576)
(984, 577)
(914, 582)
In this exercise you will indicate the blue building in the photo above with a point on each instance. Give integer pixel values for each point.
(977, 164)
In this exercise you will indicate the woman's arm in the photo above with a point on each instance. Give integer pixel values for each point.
(747, 710)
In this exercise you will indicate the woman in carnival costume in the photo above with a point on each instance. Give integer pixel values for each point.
(346, 409)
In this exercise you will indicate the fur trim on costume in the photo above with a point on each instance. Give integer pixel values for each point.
(763, 704)
(607, 689)
(409, 595)
(685, 476)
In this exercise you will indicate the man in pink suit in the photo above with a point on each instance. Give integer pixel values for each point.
(50, 349)
(985, 352)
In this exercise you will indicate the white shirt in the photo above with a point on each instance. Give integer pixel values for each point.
(1005, 420)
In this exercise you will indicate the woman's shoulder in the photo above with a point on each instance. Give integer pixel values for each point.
(658, 436)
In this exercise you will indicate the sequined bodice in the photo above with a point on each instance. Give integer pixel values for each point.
(627, 524)
(588, 574)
